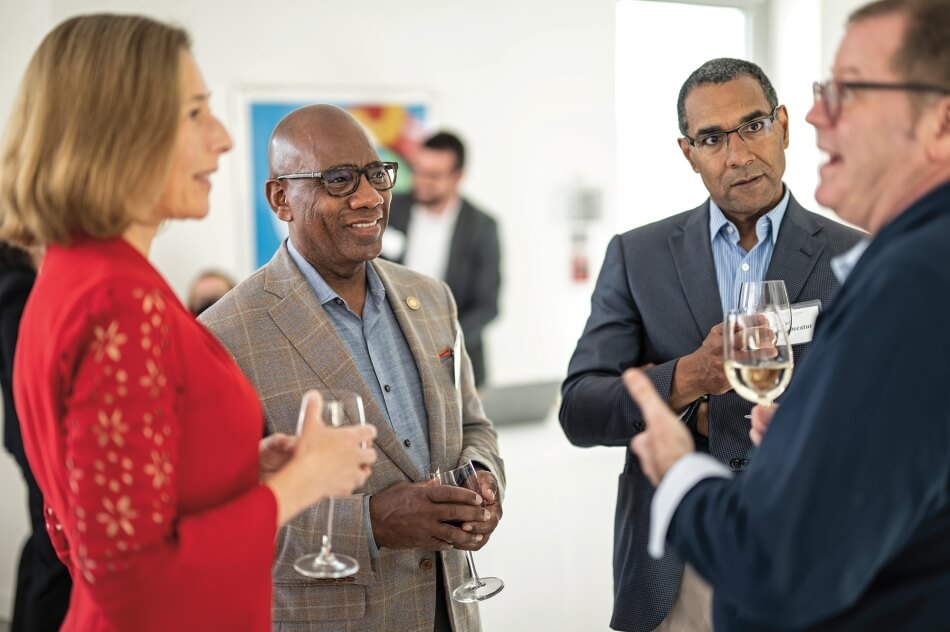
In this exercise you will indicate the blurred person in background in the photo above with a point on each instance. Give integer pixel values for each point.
(42, 582)
(207, 288)
(439, 233)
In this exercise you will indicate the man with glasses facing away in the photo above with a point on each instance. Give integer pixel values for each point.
(659, 302)
(842, 522)
(326, 313)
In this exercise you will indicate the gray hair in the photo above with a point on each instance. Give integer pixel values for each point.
(720, 71)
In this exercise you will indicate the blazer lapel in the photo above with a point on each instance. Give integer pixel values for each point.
(796, 251)
(425, 351)
(311, 332)
(693, 259)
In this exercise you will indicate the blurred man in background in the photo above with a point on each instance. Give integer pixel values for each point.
(441, 234)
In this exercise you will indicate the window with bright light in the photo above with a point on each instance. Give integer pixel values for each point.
(658, 45)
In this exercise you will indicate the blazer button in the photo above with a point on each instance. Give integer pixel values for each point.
(735, 464)
(425, 565)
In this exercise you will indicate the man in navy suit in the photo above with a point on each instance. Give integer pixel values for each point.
(842, 521)
(660, 299)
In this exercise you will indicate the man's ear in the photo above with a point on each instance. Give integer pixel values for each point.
(277, 198)
(687, 150)
(781, 117)
(937, 136)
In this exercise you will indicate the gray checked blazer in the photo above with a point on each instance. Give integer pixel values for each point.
(655, 301)
(282, 339)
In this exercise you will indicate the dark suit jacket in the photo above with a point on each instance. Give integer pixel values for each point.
(842, 523)
(655, 301)
(15, 286)
(473, 273)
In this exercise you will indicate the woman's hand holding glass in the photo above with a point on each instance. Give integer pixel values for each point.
(320, 462)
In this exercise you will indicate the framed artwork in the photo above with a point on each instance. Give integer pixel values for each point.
(397, 124)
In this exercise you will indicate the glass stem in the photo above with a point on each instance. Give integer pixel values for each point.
(328, 538)
(471, 567)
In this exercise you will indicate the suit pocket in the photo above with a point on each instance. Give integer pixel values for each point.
(323, 607)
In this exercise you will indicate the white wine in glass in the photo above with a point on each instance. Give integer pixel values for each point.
(340, 408)
(757, 355)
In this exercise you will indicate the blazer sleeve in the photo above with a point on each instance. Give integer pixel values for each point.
(133, 549)
(595, 408)
(855, 460)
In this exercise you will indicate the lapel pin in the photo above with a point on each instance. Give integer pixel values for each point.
(412, 302)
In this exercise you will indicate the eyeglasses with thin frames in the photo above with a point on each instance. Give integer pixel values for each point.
(345, 179)
(751, 132)
(833, 92)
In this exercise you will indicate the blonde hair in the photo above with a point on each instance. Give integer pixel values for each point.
(89, 143)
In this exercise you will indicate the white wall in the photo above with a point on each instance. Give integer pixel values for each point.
(530, 84)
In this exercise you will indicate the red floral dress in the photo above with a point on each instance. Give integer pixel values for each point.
(143, 435)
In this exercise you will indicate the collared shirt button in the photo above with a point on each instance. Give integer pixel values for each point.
(339, 301)
(729, 229)
(387, 388)
(407, 443)
(745, 267)
(425, 565)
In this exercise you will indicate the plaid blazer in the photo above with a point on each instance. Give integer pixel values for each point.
(283, 340)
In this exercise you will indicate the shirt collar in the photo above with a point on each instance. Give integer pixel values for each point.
(322, 289)
(843, 264)
(771, 221)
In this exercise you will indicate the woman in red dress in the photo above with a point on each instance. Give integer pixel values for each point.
(143, 434)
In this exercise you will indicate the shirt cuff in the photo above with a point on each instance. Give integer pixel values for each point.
(679, 480)
(368, 529)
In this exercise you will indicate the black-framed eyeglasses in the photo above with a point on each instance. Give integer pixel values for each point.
(833, 92)
(345, 179)
(751, 132)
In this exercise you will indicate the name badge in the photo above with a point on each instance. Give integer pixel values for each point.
(804, 316)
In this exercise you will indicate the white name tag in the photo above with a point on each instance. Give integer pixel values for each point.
(804, 316)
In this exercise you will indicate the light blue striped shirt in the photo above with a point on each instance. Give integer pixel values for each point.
(733, 264)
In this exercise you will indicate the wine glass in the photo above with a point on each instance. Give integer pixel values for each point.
(477, 588)
(339, 408)
(757, 296)
(757, 355)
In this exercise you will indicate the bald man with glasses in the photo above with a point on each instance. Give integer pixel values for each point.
(326, 313)
(659, 302)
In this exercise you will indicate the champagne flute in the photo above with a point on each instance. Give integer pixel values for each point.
(757, 355)
(477, 588)
(758, 296)
(339, 408)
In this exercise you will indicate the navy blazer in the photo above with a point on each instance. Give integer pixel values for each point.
(473, 273)
(843, 520)
(655, 301)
